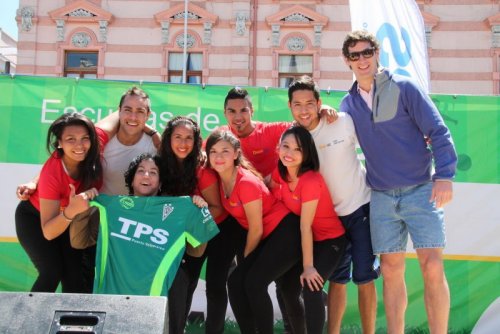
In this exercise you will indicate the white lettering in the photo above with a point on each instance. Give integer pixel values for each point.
(196, 115)
(207, 122)
(45, 110)
(142, 229)
(165, 117)
(90, 111)
(126, 224)
(160, 236)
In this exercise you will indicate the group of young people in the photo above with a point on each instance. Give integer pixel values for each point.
(292, 201)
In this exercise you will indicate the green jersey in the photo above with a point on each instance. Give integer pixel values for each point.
(142, 240)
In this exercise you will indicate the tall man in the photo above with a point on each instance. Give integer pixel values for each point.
(394, 122)
(345, 177)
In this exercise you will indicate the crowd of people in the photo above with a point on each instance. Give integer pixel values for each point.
(289, 203)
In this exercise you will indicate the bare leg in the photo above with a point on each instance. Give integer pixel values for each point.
(395, 298)
(367, 303)
(337, 301)
(436, 291)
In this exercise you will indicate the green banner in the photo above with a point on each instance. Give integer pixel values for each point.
(29, 104)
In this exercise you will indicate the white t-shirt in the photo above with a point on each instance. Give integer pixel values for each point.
(343, 172)
(117, 158)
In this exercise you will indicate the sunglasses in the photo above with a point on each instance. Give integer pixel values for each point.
(366, 53)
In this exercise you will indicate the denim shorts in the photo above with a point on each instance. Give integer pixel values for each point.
(397, 212)
(359, 253)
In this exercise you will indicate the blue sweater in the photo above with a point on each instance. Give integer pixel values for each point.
(392, 135)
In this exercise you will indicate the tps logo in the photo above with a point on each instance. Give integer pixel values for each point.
(400, 52)
(135, 231)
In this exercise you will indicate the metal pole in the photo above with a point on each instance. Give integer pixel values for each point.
(184, 56)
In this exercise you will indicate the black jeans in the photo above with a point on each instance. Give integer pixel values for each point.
(55, 260)
(277, 258)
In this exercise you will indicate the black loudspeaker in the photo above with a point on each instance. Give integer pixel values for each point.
(55, 313)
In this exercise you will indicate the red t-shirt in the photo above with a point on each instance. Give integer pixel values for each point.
(206, 178)
(311, 186)
(249, 188)
(53, 183)
(260, 147)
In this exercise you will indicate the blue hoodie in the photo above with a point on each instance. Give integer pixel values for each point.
(393, 134)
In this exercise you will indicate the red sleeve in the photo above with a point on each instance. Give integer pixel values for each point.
(48, 185)
(249, 190)
(275, 175)
(54, 182)
(278, 128)
(102, 137)
(311, 184)
(206, 178)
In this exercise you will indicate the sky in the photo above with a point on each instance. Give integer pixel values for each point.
(7, 17)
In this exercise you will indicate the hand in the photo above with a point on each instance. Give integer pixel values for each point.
(25, 190)
(328, 112)
(442, 192)
(199, 201)
(90, 194)
(78, 203)
(312, 278)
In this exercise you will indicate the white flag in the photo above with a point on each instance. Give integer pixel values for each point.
(399, 27)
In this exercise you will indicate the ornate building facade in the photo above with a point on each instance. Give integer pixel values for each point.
(243, 42)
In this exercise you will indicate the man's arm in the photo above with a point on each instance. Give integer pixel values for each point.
(109, 124)
(430, 122)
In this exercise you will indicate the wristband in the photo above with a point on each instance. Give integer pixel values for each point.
(69, 220)
(152, 133)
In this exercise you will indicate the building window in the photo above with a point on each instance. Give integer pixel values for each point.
(80, 64)
(291, 67)
(193, 67)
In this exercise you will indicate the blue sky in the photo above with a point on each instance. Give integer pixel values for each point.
(7, 17)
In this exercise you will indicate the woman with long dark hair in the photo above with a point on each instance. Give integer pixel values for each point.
(272, 248)
(68, 179)
(184, 174)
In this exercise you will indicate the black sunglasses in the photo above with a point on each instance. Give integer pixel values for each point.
(367, 53)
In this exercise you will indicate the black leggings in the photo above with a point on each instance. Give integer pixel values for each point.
(327, 255)
(180, 295)
(220, 253)
(277, 258)
(55, 260)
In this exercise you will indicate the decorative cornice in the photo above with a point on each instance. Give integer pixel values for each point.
(81, 11)
(296, 16)
(196, 15)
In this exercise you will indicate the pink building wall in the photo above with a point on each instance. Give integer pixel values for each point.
(238, 43)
